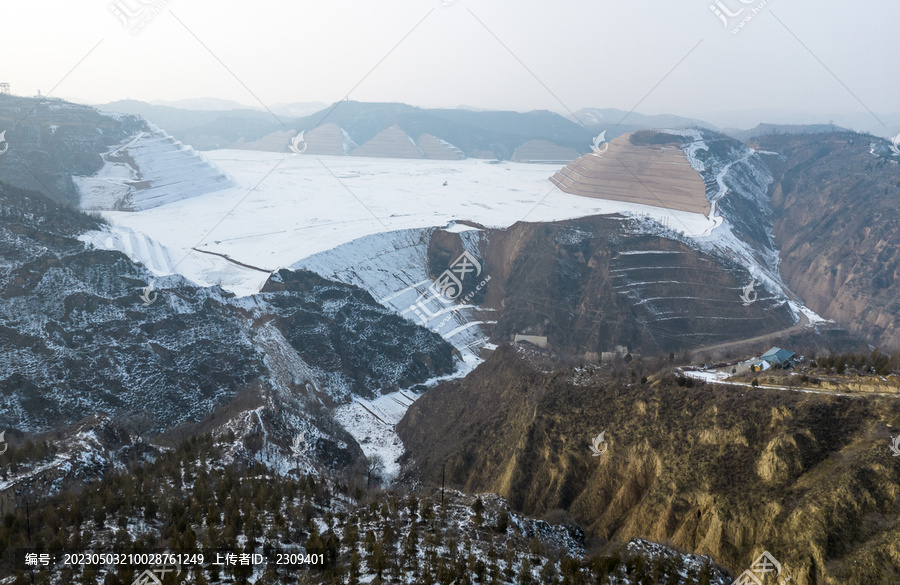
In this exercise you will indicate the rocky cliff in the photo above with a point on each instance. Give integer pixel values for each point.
(717, 470)
(835, 204)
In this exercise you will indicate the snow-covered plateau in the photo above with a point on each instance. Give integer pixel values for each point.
(288, 208)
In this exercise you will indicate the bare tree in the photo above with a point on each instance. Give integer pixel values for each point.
(138, 425)
(374, 469)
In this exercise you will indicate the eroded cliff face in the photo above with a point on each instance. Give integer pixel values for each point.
(716, 470)
(594, 283)
(836, 202)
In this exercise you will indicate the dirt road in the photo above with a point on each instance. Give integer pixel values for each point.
(804, 321)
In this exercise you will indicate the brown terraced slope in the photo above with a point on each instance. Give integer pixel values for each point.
(326, 139)
(390, 143)
(655, 175)
(437, 149)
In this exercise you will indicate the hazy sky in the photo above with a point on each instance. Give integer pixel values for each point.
(598, 53)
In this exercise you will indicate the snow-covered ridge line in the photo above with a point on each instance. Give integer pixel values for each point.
(744, 180)
(640, 252)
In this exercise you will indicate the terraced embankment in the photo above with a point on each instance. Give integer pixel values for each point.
(152, 169)
(657, 175)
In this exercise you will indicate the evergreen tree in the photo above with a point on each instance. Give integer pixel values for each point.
(354, 569)
(379, 563)
(315, 544)
(548, 573)
(503, 522)
(478, 509)
(525, 575)
(411, 551)
(704, 574)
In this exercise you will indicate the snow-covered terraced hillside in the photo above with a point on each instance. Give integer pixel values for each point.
(737, 186)
(393, 268)
(152, 169)
(288, 208)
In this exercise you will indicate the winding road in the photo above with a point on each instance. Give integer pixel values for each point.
(804, 322)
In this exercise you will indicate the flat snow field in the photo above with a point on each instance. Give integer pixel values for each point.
(287, 208)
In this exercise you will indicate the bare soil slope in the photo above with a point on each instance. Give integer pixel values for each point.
(710, 469)
(836, 208)
(657, 175)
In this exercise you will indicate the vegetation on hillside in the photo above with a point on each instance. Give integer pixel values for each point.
(727, 471)
(189, 499)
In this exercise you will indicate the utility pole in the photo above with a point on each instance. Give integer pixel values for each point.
(28, 524)
(28, 519)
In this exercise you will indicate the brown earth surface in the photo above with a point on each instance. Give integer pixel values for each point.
(390, 143)
(702, 467)
(326, 139)
(836, 209)
(435, 149)
(660, 176)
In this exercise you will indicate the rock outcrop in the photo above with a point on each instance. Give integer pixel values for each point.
(836, 202)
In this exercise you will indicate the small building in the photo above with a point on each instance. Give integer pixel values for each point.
(778, 358)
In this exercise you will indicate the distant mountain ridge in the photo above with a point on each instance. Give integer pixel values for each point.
(476, 133)
(776, 129)
(612, 118)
